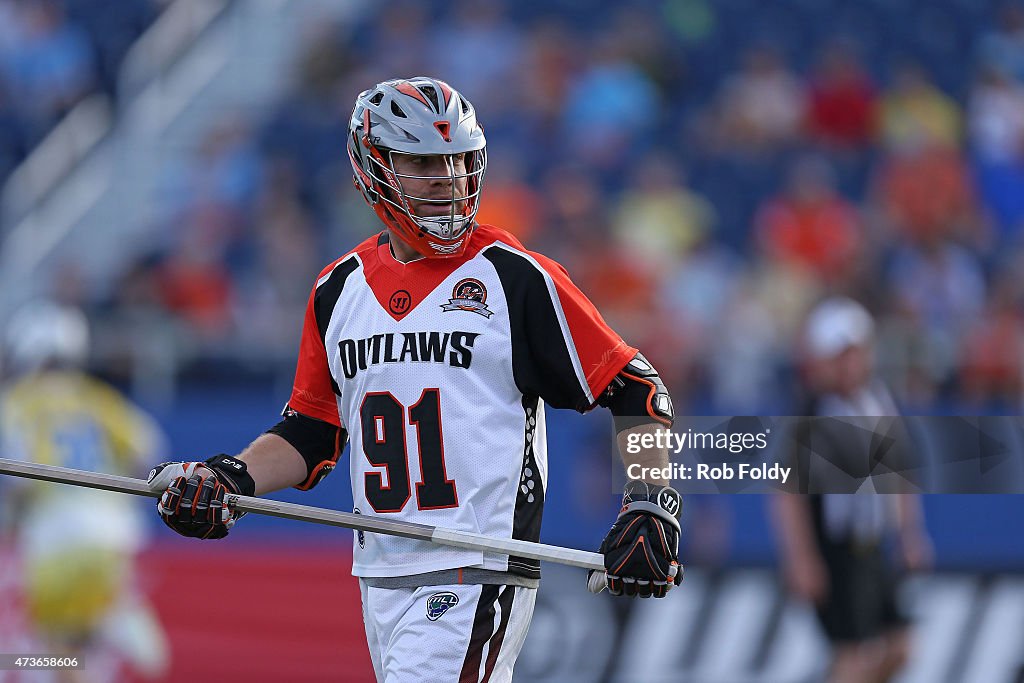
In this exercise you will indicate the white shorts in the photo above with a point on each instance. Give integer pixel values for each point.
(446, 634)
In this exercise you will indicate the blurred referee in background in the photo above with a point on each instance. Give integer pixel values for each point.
(832, 545)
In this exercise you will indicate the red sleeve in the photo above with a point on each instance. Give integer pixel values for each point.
(562, 349)
(313, 394)
(601, 351)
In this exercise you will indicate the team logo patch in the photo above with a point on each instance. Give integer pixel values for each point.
(439, 603)
(400, 302)
(469, 295)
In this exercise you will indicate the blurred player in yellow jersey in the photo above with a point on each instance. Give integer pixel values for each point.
(76, 546)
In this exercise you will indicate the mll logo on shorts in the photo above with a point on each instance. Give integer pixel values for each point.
(439, 603)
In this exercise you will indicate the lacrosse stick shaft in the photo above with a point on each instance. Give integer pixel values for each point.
(305, 513)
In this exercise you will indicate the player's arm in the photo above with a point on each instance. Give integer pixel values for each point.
(641, 405)
(273, 463)
(136, 439)
(647, 462)
(802, 565)
(915, 544)
(298, 451)
(564, 352)
(641, 550)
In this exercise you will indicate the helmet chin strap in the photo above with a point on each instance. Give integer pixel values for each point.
(445, 224)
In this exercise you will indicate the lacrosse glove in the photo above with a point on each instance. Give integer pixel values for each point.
(641, 551)
(194, 504)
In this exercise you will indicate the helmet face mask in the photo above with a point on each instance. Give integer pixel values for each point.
(439, 193)
(419, 158)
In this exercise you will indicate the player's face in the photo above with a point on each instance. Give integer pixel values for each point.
(430, 189)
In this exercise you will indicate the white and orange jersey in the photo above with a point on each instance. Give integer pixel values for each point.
(439, 369)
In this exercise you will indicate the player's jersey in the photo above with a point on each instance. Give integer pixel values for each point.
(68, 419)
(439, 369)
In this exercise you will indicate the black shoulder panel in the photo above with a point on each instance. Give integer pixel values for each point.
(541, 363)
(328, 293)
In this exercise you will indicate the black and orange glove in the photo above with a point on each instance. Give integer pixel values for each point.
(641, 551)
(193, 502)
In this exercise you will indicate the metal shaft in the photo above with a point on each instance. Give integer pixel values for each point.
(305, 513)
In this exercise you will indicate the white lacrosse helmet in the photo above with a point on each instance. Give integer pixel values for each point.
(418, 116)
(45, 333)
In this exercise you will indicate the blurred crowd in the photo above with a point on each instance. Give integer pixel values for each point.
(706, 171)
(55, 53)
